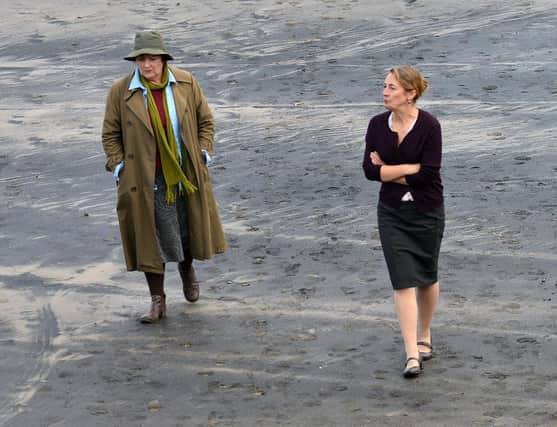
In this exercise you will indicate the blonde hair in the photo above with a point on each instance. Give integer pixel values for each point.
(410, 79)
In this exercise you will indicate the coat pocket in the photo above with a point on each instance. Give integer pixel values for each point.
(123, 207)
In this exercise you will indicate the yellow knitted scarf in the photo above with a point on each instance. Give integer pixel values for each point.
(166, 141)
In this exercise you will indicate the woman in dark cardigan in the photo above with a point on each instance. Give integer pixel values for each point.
(403, 152)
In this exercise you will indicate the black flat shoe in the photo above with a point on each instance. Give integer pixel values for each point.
(426, 355)
(412, 371)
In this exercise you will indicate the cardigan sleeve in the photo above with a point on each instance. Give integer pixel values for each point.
(371, 171)
(430, 159)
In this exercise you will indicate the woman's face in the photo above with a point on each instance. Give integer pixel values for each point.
(395, 96)
(150, 67)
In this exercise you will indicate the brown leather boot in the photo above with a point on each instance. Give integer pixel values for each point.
(190, 284)
(158, 309)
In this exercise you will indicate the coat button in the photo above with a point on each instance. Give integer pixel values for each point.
(133, 189)
(130, 156)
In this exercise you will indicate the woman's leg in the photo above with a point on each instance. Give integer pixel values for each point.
(156, 283)
(407, 313)
(190, 284)
(427, 298)
(158, 298)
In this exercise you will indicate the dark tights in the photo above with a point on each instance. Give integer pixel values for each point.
(155, 282)
(186, 263)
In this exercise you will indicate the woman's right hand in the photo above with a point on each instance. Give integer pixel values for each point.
(376, 159)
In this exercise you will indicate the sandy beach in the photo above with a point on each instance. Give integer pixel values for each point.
(296, 323)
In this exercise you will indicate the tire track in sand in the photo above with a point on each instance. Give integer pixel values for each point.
(37, 362)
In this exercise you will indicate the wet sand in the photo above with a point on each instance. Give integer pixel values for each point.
(296, 323)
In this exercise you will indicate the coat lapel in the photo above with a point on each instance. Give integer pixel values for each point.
(181, 105)
(136, 104)
(182, 113)
(184, 117)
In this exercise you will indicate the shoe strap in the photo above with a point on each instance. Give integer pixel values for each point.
(413, 358)
(425, 344)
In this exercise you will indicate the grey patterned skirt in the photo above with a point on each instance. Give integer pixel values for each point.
(170, 220)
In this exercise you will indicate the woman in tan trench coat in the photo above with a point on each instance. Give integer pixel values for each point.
(158, 138)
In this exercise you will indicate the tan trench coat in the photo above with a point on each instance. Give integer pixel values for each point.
(127, 135)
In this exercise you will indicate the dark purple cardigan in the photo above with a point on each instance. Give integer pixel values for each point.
(421, 145)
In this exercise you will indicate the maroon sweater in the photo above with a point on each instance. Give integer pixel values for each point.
(159, 101)
(421, 145)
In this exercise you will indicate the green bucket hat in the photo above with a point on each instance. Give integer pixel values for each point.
(148, 43)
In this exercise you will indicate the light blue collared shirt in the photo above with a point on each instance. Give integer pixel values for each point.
(135, 83)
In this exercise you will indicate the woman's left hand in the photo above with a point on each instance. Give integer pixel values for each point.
(376, 159)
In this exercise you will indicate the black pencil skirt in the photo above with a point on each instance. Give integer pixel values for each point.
(411, 241)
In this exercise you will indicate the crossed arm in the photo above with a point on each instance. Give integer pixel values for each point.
(393, 173)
